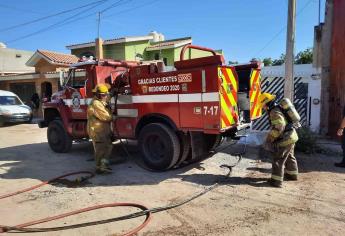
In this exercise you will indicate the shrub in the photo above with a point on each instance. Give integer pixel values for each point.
(307, 142)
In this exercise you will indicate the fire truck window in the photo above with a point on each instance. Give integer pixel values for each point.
(244, 80)
(79, 82)
(76, 81)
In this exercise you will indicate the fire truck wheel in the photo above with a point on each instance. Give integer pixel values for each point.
(58, 139)
(213, 141)
(185, 148)
(159, 146)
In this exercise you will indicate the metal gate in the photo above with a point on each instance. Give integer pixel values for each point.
(275, 86)
(23, 90)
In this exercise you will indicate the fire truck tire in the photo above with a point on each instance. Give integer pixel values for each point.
(213, 141)
(160, 146)
(58, 139)
(185, 148)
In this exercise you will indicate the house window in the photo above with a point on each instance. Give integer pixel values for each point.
(165, 60)
(156, 56)
(18, 55)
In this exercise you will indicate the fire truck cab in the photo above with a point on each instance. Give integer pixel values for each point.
(178, 116)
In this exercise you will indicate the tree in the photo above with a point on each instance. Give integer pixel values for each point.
(280, 61)
(267, 61)
(304, 57)
(233, 62)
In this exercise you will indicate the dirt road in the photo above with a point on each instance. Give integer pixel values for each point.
(242, 205)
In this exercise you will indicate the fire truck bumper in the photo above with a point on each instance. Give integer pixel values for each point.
(236, 132)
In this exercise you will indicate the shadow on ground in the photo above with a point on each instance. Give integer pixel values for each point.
(37, 161)
(316, 162)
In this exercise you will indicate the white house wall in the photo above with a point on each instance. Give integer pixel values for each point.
(309, 75)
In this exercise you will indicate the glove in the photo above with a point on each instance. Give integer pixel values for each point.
(107, 105)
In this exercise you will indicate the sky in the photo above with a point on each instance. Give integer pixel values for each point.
(243, 29)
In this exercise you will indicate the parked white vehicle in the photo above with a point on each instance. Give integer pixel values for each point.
(12, 109)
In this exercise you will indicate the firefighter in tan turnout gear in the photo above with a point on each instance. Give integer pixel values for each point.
(99, 117)
(280, 140)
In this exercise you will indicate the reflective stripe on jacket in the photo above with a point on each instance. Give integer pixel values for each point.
(98, 121)
(276, 134)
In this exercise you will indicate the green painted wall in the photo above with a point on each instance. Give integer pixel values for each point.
(173, 55)
(128, 51)
(114, 51)
(165, 53)
(134, 48)
(192, 53)
(122, 51)
(79, 51)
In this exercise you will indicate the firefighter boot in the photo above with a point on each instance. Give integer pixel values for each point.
(275, 183)
(289, 177)
(340, 164)
(104, 168)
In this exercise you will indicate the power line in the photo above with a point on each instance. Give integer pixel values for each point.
(116, 4)
(133, 8)
(83, 17)
(70, 19)
(49, 16)
(282, 29)
(50, 27)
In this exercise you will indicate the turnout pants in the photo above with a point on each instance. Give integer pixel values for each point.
(284, 158)
(343, 145)
(102, 153)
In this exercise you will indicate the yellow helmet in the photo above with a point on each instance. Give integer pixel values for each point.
(101, 89)
(265, 98)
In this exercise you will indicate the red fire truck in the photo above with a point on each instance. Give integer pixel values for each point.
(177, 115)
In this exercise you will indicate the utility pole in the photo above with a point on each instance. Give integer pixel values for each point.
(99, 23)
(319, 12)
(290, 44)
(99, 41)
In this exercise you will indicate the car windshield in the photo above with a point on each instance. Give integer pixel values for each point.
(9, 100)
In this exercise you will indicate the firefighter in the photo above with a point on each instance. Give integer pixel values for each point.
(99, 117)
(280, 141)
(341, 133)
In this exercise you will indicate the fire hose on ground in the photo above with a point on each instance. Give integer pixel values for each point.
(144, 211)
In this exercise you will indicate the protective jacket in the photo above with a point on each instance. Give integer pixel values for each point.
(98, 121)
(279, 133)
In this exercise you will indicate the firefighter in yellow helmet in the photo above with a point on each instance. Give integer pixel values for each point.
(280, 141)
(99, 117)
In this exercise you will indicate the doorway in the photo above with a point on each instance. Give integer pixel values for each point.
(46, 90)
